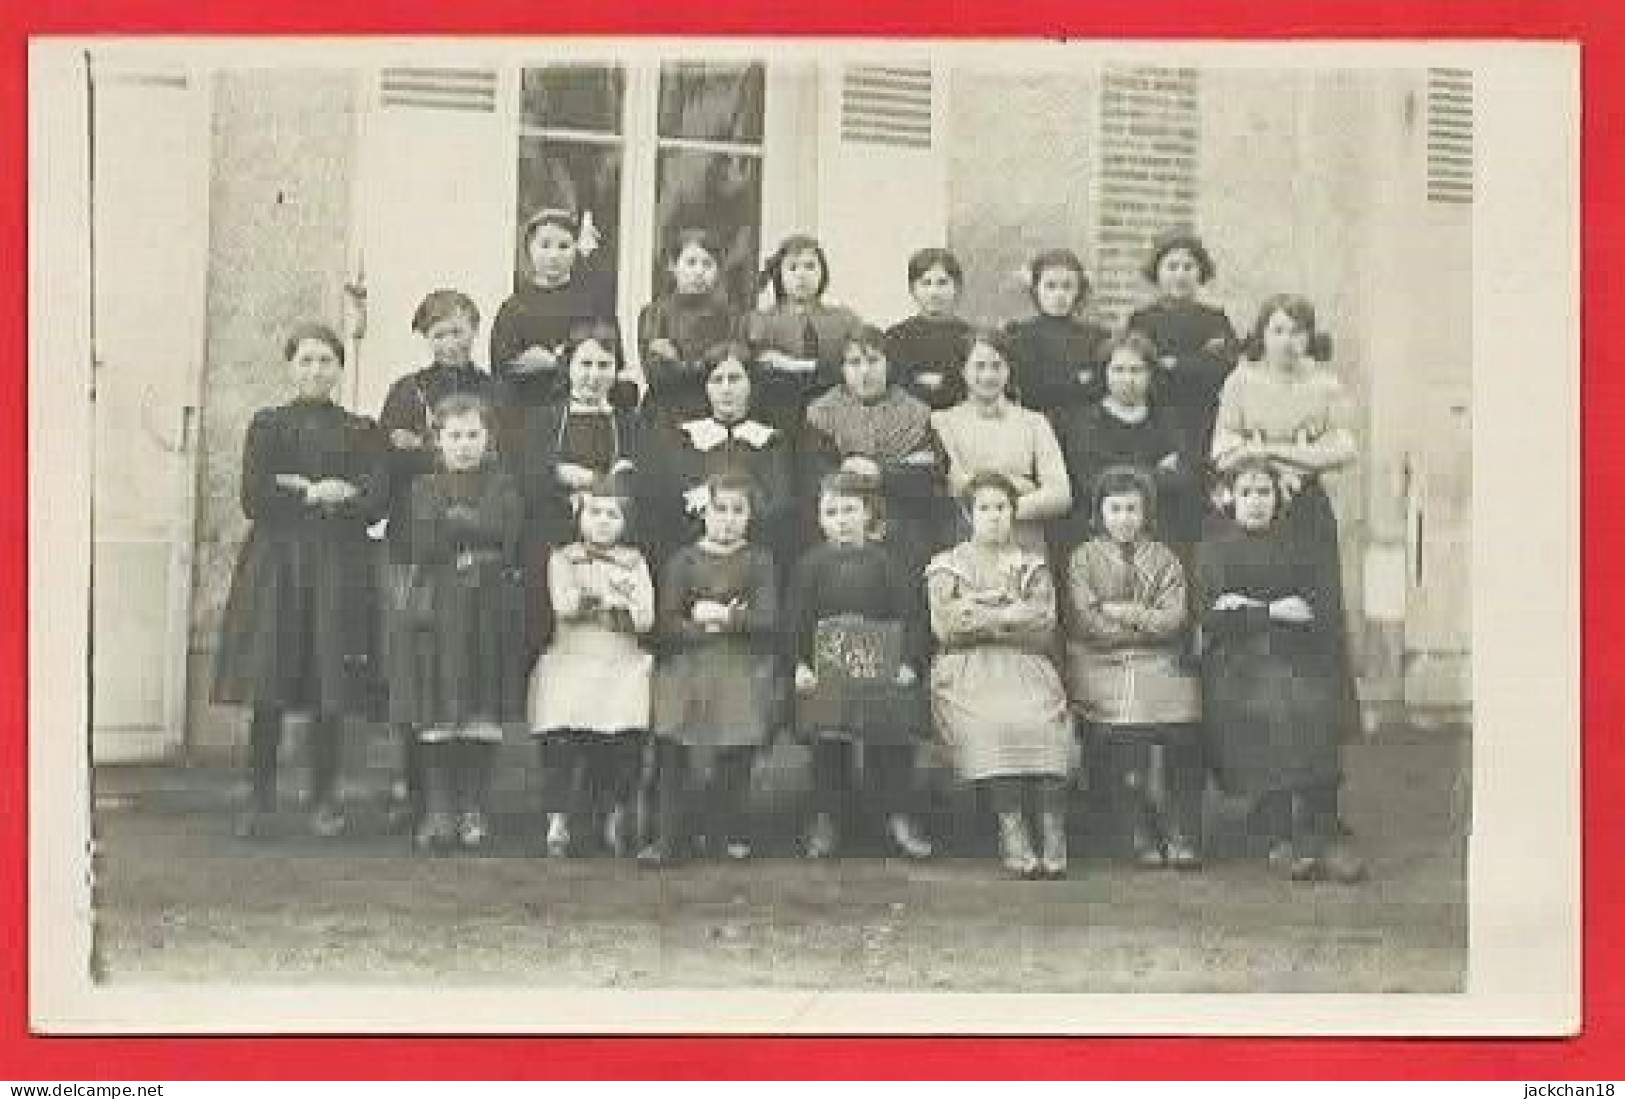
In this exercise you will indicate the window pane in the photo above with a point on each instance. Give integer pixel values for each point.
(718, 192)
(577, 176)
(573, 97)
(711, 102)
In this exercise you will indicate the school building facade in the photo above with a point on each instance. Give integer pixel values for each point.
(231, 201)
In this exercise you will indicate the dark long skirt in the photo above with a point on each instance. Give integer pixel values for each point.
(1310, 524)
(1271, 715)
(460, 655)
(299, 631)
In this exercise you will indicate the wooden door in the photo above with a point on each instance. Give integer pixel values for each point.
(148, 196)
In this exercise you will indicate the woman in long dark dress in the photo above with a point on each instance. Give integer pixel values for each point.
(871, 428)
(729, 440)
(1273, 672)
(557, 450)
(1196, 346)
(463, 651)
(298, 632)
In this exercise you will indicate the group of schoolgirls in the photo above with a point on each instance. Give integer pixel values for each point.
(657, 569)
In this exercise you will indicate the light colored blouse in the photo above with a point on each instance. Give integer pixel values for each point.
(985, 596)
(1015, 441)
(1259, 400)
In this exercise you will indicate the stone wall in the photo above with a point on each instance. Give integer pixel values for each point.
(1020, 178)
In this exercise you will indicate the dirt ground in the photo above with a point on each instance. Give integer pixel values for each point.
(180, 900)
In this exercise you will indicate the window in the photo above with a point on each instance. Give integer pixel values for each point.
(571, 152)
(640, 154)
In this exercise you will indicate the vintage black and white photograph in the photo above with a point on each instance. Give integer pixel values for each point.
(586, 517)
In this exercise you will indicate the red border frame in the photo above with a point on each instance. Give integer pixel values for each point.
(1598, 1054)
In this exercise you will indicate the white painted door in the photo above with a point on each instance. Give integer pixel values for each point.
(1438, 626)
(149, 191)
(435, 208)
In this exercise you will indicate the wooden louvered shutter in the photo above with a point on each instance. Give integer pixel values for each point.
(437, 211)
(886, 105)
(1149, 134)
(882, 180)
(1450, 135)
(439, 89)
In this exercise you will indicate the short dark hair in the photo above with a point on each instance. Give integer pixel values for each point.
(700, 237)
(559, 218)
(454, 405)
(617, 486)
(927, 258)
(440, 305)
(312, 330)
(462, 404)
(742, 483)
(1065, 259)
(857, 487)
(599, 331)
(1180, 238)
(1135, 341)
(1302, 312)
(844, 483)
(719, 353)
(1254, 464)
(1123, 480)
(867, 335)
(996, 338)
(773, 271)
(990, 479)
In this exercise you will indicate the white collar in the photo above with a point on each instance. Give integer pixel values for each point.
(709, 433)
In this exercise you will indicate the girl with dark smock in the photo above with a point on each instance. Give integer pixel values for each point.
(858, 638)
(448, 321)
(718, 687)
(462, 664)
